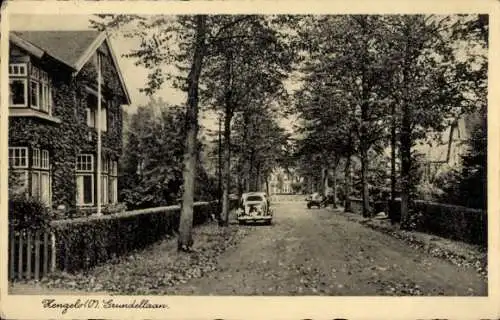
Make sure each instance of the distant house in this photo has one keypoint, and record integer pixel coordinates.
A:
(440, 151)
(53, 118)
(443, 151)
(281, 181)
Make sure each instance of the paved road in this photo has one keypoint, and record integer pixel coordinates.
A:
(321, 252)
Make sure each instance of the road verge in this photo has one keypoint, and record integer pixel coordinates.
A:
(458, 253)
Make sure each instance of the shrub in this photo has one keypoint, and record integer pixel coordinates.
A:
(28, 213)
(85, 242)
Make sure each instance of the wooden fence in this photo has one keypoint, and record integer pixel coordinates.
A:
(32, 254)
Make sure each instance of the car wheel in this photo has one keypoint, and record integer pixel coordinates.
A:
(241, 222)
(268, 222)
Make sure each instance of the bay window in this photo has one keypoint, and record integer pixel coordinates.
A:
(33, 89)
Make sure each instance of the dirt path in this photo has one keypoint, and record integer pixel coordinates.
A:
(319, 252)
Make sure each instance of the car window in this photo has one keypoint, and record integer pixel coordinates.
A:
(254, 198)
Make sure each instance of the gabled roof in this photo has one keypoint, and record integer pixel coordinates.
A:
(65, 46)
(72, 48)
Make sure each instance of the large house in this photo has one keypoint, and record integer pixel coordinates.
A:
(282, 181)
(53, 77)
(444, 151)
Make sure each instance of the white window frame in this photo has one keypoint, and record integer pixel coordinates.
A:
(35, 192)
(105, 165)
(34, 82)
(19, 76)
(113, 181)
(36, 164)
(45, 97)
(40, 81)
(78, 195)
(83, 170)
(45, 160)
(104, 119)
(87, 156)
(23, 65)
(105, 188)
(46, 190)
(11, 102)
(26, 158)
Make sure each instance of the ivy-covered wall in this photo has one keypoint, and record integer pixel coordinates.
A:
(70, 137)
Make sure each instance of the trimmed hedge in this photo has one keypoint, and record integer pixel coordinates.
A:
(85, 242)
(453, 222)
(444, 220)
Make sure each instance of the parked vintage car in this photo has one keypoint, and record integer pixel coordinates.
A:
(254, 207)
(316, 200)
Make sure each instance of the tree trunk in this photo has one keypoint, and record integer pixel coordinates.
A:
(226, 169)
(257, 178)
(251, 176)
(185, 240)
(405, 147)
(324, 178)
(228, 101)
(364, 145)
(364, 182)
(334, 185)
(347, 186)
(219, 173)
(392, 214)
(405, 167)
(267, 185)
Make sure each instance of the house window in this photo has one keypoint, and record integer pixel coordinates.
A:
(18, 69)
(18, 157)
(104, 180)
(36, 158)
(113, 182)
(37, 95)
(104, 119)
(104, 189)
(91, 113)
(34, 88)
(85, 162)
(18, 92)
(45, 159)
(85, 179)
(38, 174)
(40, 90)
(90, 117)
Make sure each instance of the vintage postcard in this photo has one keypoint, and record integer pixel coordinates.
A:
(249, 160)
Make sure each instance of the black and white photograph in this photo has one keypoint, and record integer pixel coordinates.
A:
(251, 155)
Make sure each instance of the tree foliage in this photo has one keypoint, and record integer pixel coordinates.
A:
(152, 160)
(366, 74)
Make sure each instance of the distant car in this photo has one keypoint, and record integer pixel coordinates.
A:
(254, 207)
(316, 200)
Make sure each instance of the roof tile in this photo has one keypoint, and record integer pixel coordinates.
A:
(75, 43)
